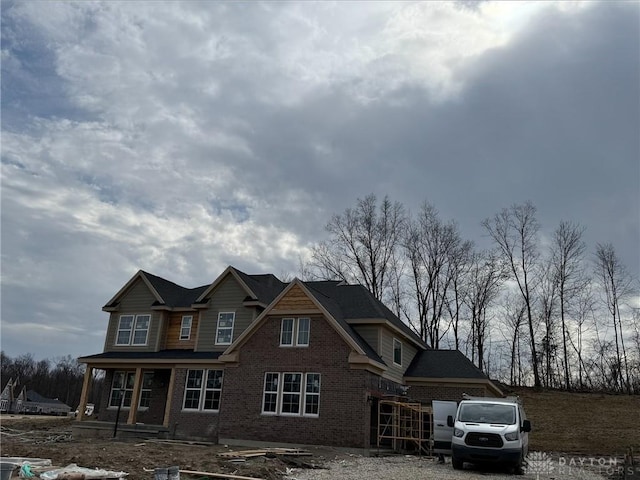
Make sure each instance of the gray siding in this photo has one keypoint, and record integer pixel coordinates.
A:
(408, 352)
(370, 334)
(135, 301)
(227, 297)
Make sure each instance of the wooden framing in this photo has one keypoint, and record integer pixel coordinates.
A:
(404, 424)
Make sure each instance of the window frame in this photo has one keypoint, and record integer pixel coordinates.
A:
(145, 330)
(120, 329)
(126, 389)
(282, 331)
(133, 330)
(182, 336)
(275, 392)
(295, 332)
(312, 394)
(203, 388)
(218, 328)
(303, 394)
(399, 344)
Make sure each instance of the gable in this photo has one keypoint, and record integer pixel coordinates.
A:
(295, 300)
(137, 298)
(133, 281)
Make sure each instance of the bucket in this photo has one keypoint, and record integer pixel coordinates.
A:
(159, 474)
(6, 469)
(173, 473)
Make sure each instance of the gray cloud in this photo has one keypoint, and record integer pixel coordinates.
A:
(185, 138)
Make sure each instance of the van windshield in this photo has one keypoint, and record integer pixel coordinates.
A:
(487, 413)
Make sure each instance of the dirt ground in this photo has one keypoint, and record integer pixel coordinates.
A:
(563, 423)
(50, 438)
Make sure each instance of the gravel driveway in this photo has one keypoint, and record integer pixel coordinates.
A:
(413, 468)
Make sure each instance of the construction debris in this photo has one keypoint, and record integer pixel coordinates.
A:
(266, 452)
(218, 475)
(35, 436)
(74, 472)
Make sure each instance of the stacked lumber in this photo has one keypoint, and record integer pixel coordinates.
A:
(294, 452)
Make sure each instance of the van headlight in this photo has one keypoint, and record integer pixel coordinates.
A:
(511, 436)
(458, 433)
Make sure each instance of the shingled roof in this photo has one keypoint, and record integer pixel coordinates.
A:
(173, 294)
(266, 287)
(443, 364)
(356, 302)
(176, 354)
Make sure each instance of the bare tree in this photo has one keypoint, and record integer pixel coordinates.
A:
(513, 315)
(548, 306)
(460, 269)
(431, 245)
(583, 312)
(616, 284)
(515, 231)
(362, 246)
(567, 256)
(485, 278)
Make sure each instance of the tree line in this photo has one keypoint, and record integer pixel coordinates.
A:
(525, 312)
(59, 378)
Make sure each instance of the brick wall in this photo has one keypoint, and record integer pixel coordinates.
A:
(427, 393)
(187, 424)
(344, 414)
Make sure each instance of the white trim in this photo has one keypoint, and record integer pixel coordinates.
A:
(295, 332)
(233, 322)
(182, 327)
(128, 342)
(399, 342)
(302, 394)
(202, 390)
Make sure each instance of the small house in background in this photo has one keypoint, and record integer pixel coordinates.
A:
(12, 397)
(36, 403)
(29, 401)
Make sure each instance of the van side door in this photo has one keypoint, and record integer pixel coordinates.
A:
(441, 432)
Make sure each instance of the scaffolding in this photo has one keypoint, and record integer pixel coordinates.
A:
(407, 426)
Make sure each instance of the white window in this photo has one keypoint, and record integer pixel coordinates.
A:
(141, 329)
(297, 394)
(125, 328)
(286, 331)
(291, 393)
(304, 325)
(224, 335)
(270, 397)
(397, 352)
(185, 327)
(202, 390)
(133, 330)
(122, 389)
(312, 394)
(295, 332)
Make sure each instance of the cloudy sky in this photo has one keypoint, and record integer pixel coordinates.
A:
(180, 138)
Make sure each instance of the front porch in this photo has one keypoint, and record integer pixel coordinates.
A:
(135, 398)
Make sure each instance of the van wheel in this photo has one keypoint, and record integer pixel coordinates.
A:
(457, 463)
(518, 469)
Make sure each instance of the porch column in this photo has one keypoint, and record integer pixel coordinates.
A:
(88, 374)
(135, 397)
(167, 407)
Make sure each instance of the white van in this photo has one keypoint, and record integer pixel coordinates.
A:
(493, 430)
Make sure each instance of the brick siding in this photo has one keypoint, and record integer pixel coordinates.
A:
(426, 393)
(192, 425)
(344, 414)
